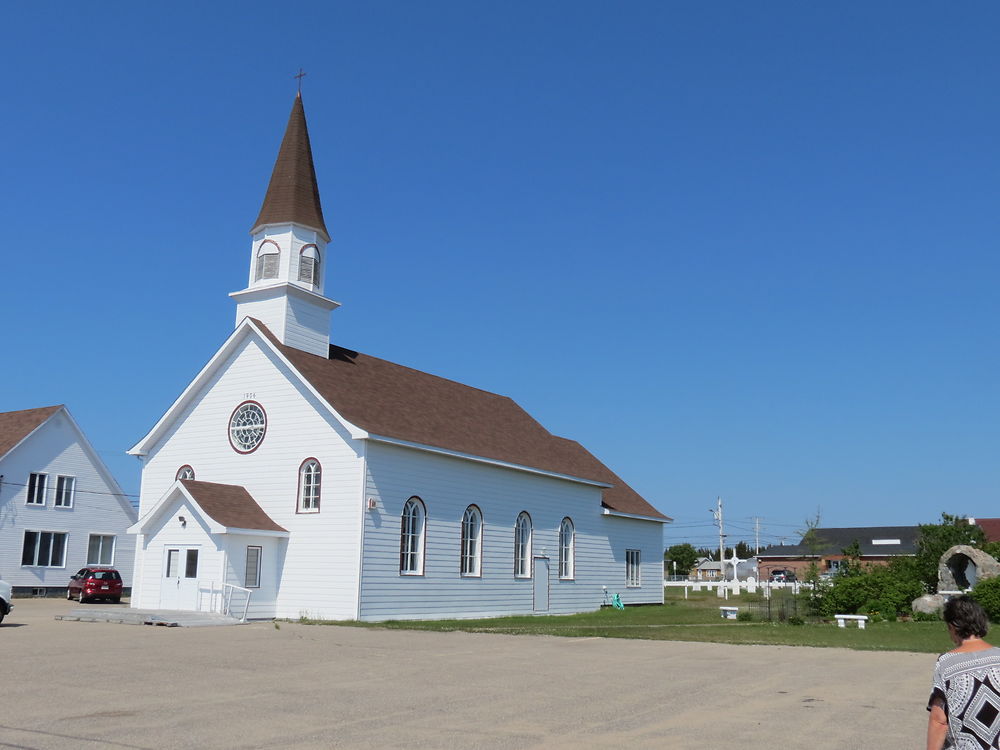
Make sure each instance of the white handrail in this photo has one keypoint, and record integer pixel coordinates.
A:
(223, 605)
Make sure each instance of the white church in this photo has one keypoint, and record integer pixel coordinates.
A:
(318, 481)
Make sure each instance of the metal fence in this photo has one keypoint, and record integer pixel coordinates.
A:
(776, 608)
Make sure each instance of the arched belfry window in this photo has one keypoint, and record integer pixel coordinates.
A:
(567, 549)
(472, 542)
(267, 260)
(411, 537)
(522, 546)
(310, 475)
(185, 472)
(309, 265)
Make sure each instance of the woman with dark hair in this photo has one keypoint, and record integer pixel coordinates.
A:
(965, 699)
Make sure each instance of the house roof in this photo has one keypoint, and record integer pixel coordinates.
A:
(393, 401)
(293, 194)
(990, 527)
(15, 426)
(230, 505)
(873, 541)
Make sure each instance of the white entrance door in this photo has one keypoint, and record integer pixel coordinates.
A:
(179, 586)
(541, 584)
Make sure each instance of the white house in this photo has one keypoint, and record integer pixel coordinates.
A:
(338, 485)
(60, 507)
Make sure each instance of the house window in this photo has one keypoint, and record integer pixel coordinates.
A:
(251, 579)
(472, 541)
(309, 265)
(522, 546)
(633, 578)
(36, 488)
(267, 261)
(185, 472)
(101, 549)
(44, 549)
(65, 487)
(310, 475)
(411, 538)
(191, 564)
(567, 549)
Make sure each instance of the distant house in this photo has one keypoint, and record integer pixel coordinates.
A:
(707, 569)
(990, 527)
(60, 507)
(878, 544)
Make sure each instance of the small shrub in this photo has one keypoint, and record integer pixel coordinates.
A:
(880, 610)
(744, 617)
(926, 616)
(987, 593)
(796, 620)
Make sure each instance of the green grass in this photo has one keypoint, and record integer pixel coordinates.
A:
(694, 619)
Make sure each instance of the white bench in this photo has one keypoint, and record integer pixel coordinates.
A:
(860, 619)
(729, 613)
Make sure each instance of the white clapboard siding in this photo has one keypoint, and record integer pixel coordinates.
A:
(55, 448)
(318, 568)
(447, 486)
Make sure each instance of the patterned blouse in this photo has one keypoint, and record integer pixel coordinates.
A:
(969, 685)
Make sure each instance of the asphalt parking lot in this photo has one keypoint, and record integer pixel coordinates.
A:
(100, 685)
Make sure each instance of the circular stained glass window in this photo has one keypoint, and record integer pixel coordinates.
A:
(247, 427)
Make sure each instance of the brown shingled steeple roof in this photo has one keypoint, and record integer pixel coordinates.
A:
(292, 195)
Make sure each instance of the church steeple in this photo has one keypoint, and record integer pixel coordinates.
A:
(293, 195)
(288, 250)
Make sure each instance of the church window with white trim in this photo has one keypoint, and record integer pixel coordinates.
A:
(310, 476)
(522, 546)
(472, 542)
(411, 538)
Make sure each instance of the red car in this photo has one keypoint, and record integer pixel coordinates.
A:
(95, 583)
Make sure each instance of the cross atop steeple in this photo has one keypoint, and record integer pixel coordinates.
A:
(300, 75)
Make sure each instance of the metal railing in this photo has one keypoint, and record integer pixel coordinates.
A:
(220, 598)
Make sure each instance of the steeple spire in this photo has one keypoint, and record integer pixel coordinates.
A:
(288, 250)
(292, 195)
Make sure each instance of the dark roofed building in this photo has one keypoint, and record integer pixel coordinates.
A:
(877, 544)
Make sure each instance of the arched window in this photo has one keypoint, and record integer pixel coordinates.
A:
(522, 546)
(267, 260)
(309, 265)
(411, 538)
(310, 474)
(472, 542)
(185, 472)
(567, 549)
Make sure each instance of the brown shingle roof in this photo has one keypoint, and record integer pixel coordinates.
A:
(230, 505)
(393, 401)
(293, 195)
(17, 425)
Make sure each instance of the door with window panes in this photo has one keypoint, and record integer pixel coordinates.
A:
(179, 588)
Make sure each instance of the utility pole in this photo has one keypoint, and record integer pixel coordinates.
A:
(756, 535)
(717, 513)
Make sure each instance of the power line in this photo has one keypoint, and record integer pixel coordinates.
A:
(75, 489)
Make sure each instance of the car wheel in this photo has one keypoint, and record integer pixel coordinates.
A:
(2, 614)
(82, 597)
(116, 600)
(69, 595)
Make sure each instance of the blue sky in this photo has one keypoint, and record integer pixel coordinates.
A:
(736, 249)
